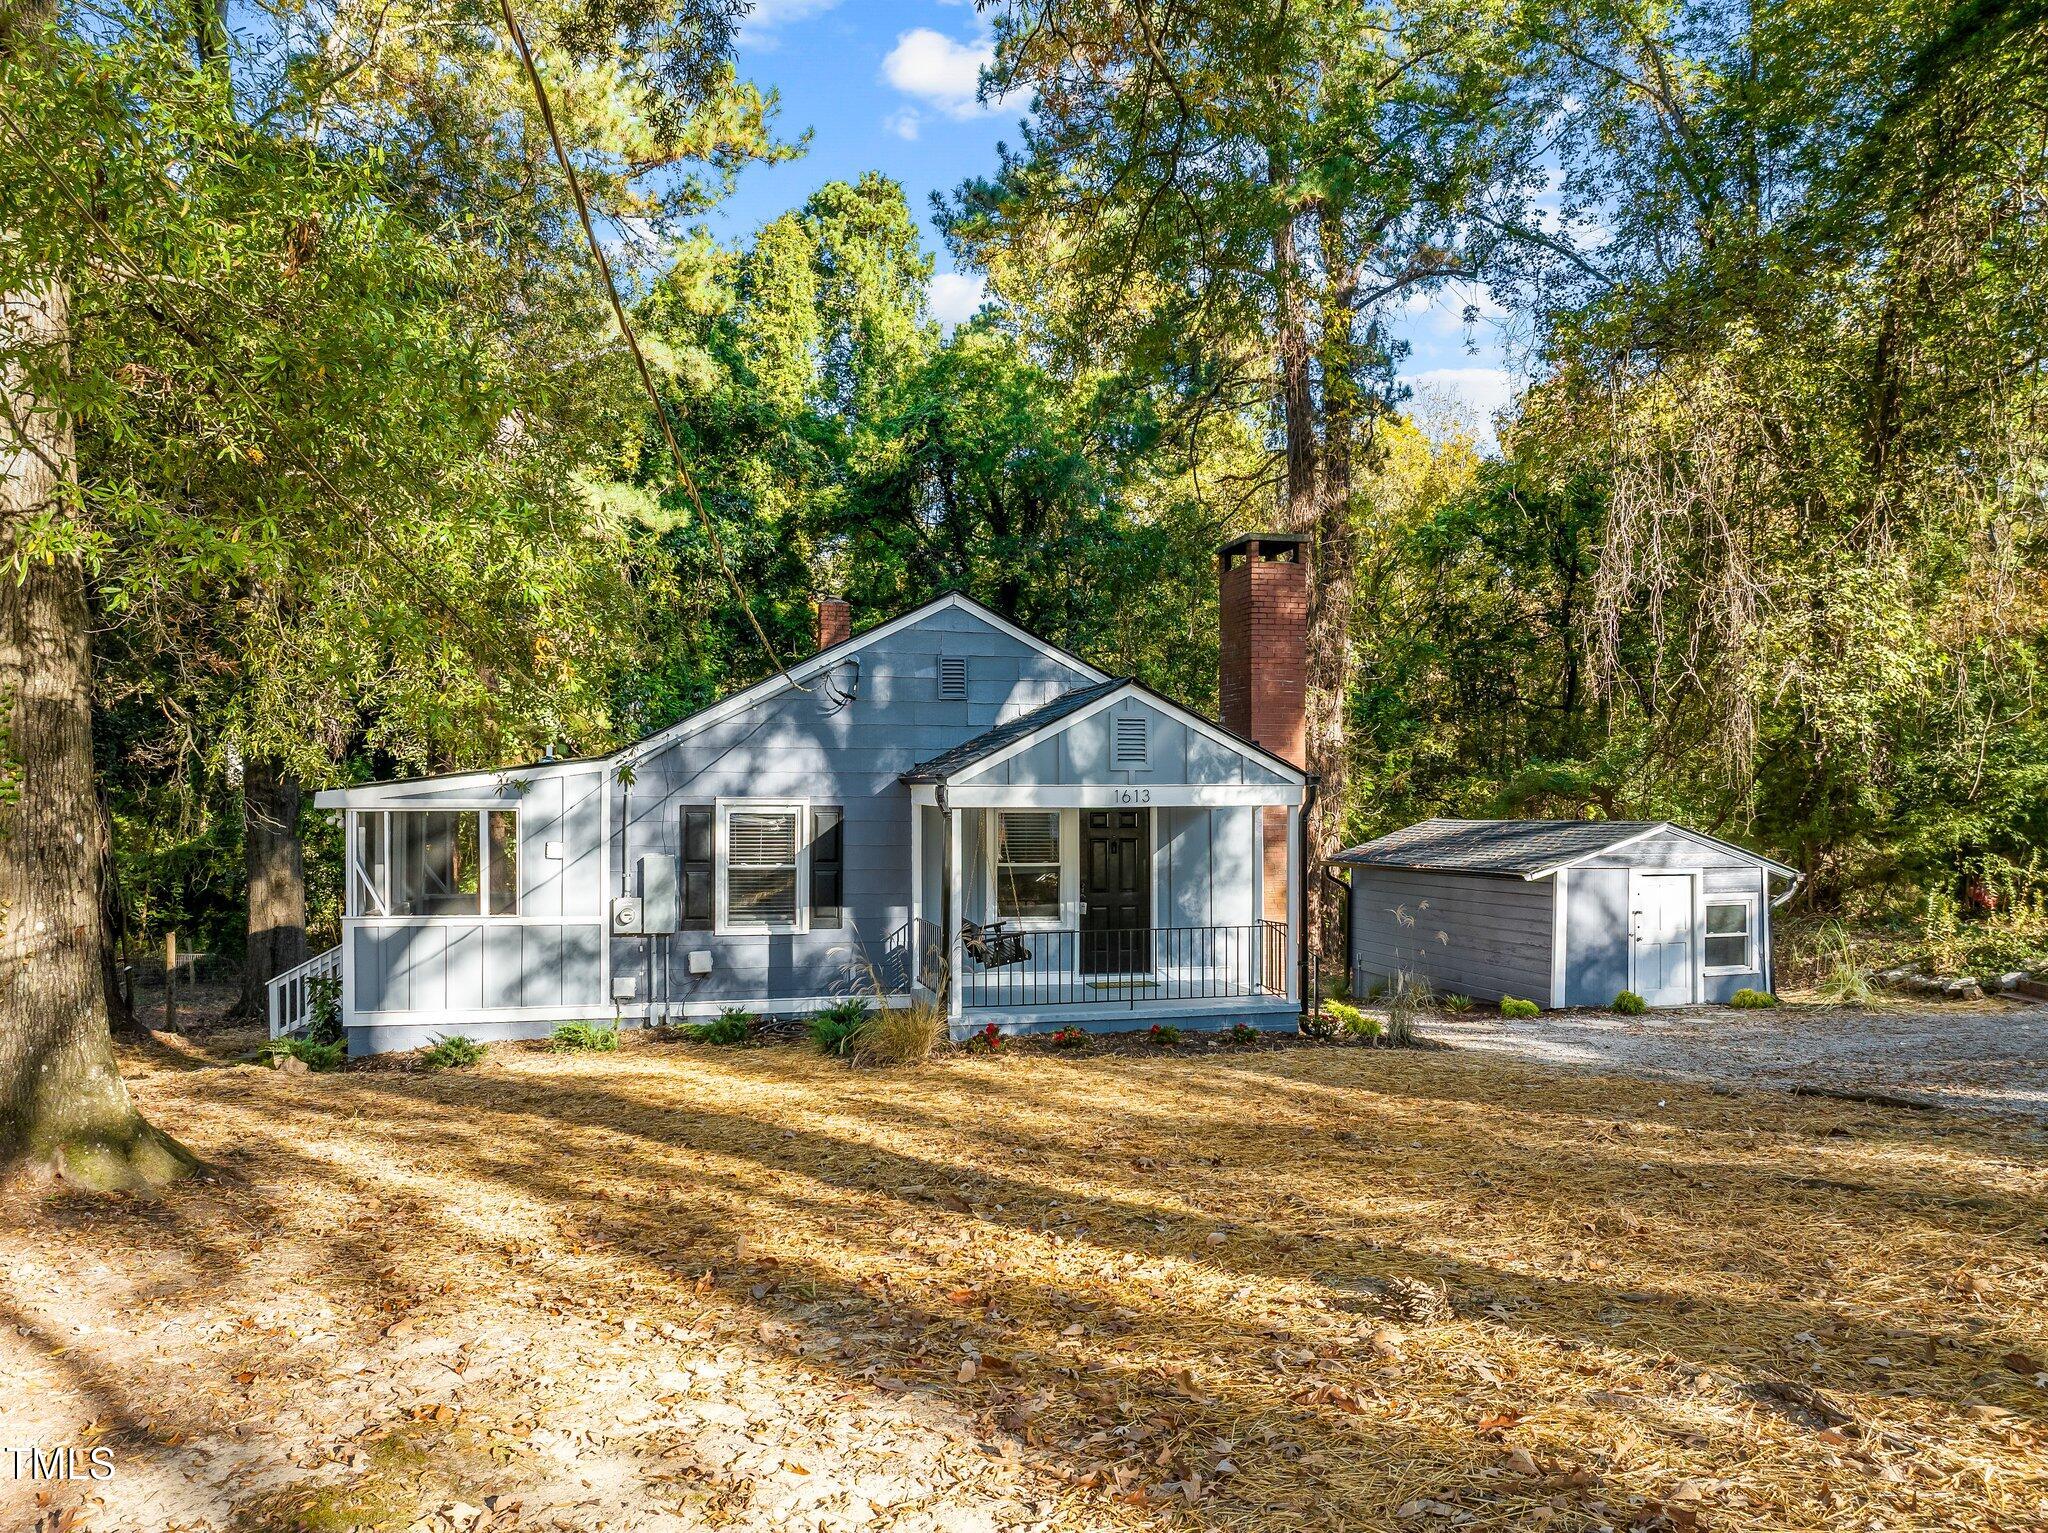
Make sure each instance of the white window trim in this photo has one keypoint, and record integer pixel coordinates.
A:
(722, 923)
(1749, 901)
(1069, 917)
(359, 883)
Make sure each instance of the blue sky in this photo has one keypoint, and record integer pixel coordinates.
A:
(891, 87)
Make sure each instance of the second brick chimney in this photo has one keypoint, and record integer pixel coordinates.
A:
(835, 621)
(1262, 681)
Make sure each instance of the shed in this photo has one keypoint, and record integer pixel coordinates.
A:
(1563, 912)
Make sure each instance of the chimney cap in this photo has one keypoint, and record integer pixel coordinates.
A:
(1267, 545)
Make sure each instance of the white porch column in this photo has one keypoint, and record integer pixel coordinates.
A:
(1294, 910)
(956, 953)
(916, 894)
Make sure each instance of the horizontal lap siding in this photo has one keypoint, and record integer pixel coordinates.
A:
(1466, 934)
(799, 745)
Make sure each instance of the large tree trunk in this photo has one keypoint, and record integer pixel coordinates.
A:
(274, 858)
(63, 1104)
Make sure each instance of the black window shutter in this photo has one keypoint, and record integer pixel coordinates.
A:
(828, 868)
(700, 844)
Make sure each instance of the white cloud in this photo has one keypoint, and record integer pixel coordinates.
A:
(940, 71)
(762, 26)
(1485, 392)
(904, 122)
(954, 297)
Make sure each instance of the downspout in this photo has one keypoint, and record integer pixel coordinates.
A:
(1310, 784)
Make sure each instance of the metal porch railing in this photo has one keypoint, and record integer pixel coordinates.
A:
(1003, 967)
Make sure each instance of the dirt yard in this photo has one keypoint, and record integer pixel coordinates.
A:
(1991, 1055)
(684, 1287)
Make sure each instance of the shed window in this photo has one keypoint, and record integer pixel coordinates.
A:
(1129, 745)
(953, 678)
(763, 866)
(1027, 865)
(436, 862)
(1731, 936)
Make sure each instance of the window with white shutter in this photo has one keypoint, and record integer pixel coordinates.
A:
(761, 866)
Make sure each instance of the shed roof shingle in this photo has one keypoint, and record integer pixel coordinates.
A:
(1494, 846)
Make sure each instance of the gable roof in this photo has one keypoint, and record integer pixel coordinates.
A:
(1069, 707)
(1520, 848)
(969, 752)
(796, 672)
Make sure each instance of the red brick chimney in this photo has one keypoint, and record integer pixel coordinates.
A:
(835, 621)
(1262, 617)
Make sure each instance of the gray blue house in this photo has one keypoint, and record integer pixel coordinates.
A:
(1563, 912)
(944, 805)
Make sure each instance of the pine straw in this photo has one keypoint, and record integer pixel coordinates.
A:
(1154, 1287)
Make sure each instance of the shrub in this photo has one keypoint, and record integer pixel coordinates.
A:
(1512, 1007)
(1241, 1035)
(1845, 982)
(1353, 1021)
(1068, 1038)
(1457, 1005)
(575, 1037)
(988, 1041)
(1319, 1025)
(323, 1002)
(898, 1035)
(454, 1052)
(1166, 1037)
(316, 1053)
(1629, 1004)
(1747, 997)
(833, 1028)
(733, 1025)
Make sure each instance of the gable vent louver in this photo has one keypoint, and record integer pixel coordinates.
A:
(953, 678)
(1128, 744)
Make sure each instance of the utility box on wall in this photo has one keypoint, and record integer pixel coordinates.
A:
(661, 910)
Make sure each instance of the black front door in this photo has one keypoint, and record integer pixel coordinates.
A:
(1116, 892)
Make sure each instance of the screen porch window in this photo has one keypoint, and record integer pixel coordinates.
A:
(1731, 935)
(435, 862)
(763, 867)
(1027, 865)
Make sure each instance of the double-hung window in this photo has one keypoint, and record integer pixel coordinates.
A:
(763, 865)
(1027, 865)
(1731, 934)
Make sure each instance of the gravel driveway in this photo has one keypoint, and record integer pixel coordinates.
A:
(1989, 1057)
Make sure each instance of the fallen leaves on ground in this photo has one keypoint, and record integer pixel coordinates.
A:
(680, 1287)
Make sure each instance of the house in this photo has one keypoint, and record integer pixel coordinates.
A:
(1562, 912)
(944, 806)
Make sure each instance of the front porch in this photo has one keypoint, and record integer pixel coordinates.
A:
(1107, 865)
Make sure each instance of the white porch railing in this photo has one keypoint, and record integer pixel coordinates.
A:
(295, 993)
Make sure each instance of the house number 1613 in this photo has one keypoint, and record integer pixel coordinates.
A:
(1134, 795)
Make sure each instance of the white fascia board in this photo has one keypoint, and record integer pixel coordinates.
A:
(1665, 827)
(379, 794)
(1110, 795)
(491, 789)
(825, 659)
(1151, 699)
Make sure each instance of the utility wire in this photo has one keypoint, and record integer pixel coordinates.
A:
(194, 337)
(611, 289)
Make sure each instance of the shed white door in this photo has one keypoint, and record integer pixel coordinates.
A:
(1663, 938)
